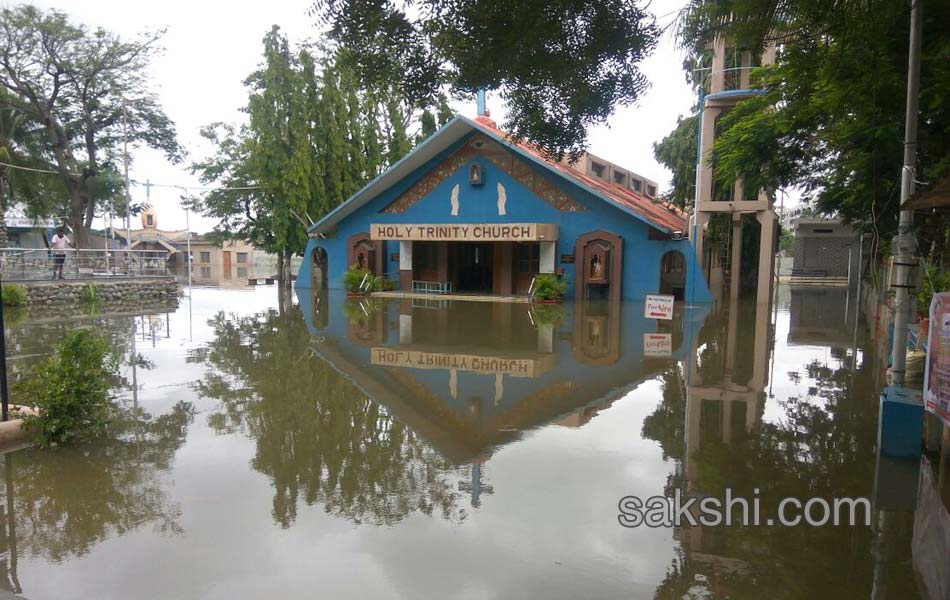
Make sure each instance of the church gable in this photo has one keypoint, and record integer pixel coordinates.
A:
(481, 147)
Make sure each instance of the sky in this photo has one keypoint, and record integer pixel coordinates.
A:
(212, 45)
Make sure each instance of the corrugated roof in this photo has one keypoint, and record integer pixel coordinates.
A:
(662, 215)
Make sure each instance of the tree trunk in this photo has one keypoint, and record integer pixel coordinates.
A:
(77, 218)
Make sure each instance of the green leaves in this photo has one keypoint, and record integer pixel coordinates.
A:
(71, 389)
(677, 152)
(83, 91)
(831, 121)
(560, 65)
(316, 134)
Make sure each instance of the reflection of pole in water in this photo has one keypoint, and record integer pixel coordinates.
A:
(475, 487)
(9, 565)
(132, 360)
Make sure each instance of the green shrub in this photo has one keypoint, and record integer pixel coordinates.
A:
(13, 294)
(353, 277)
(70, 390)
(548, 287)
(934, 281)
(89, 293)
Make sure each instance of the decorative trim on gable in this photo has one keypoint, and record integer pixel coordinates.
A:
(482, 146)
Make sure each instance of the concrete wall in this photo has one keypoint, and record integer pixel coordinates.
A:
(825, 245)
(478, 204)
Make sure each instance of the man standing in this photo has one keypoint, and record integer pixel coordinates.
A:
(59, 244)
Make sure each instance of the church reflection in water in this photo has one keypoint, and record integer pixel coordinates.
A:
(469, 377)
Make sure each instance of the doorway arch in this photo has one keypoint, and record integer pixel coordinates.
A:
(365, 253)
(673, 274)
(318, 268)
(598, 257)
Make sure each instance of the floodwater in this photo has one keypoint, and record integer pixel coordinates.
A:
(369, 449)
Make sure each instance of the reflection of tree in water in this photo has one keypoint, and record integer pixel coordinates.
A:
(29, 342)
(319, 438)
(823, 446)
(68, 499)
(666, 425)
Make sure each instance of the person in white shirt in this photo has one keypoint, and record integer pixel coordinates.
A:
(59, 244)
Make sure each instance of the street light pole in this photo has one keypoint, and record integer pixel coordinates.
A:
(188, 228)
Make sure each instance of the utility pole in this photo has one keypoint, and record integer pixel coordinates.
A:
(904, 257)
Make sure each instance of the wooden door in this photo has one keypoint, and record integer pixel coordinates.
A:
(226, 264)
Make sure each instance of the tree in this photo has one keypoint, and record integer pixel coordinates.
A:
(830, 120)
(88, 90)
(20, 176)
(677, 152)
(560, 66)
(315, 135)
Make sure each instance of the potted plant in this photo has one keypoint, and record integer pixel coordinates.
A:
(548, 288)
(358, 280)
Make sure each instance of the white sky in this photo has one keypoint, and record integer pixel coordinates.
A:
(212, 45)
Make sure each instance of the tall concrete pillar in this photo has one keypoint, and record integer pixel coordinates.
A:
(405, 265)
(766, 219)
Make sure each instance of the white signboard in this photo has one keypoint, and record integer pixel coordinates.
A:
(465, 232)
(658, 306)
(657, 344)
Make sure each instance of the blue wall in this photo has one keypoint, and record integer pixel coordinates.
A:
(478, 204)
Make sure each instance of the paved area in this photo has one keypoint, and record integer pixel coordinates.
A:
(464, 297)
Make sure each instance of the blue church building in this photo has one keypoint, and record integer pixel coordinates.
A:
(471, 211)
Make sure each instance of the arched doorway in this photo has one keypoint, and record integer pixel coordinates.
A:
(673, 274)
(365, 253)
(598, 266)
(318, 268)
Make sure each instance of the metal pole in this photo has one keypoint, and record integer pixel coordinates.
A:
(128, 196)
(4, 396)
(188, 228)
(904, 257)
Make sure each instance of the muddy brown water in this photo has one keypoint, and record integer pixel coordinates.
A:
(424, 449)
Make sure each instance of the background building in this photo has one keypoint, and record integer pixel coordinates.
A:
(231, 263)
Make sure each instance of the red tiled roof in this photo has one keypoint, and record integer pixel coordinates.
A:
(661, 214)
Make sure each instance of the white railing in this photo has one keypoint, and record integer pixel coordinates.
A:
(31, 264)
(431, 287)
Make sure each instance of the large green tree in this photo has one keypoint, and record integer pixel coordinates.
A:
(560, 65)
(88, 90)
(831, 120)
